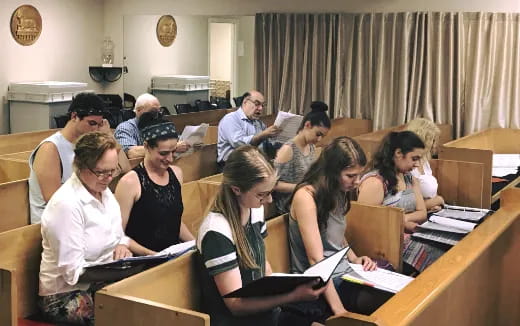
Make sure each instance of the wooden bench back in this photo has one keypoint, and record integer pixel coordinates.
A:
(376, 231)
(19, 267)
(23, 141)
(12, 170)
(14, 205)
(479, 148)
(200, 164)
(172, 290)
(346, 127)
(211, 117)
(197, 198)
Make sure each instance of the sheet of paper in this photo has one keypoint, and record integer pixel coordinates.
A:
(439, 227)
(380, 278)
(177, 248)
(441, 237)
(461, 214)
(326, 267)
(504, 164)
(194, 134)
(289, 123)
(462, 225)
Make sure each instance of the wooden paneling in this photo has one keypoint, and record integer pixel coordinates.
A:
(23, 141)
(346, 127)
(14, 205)
(12, 170)
(201, 163)
(376, 231)
(277, 244)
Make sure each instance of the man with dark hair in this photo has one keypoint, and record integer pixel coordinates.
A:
(244, 126)
(51, 161)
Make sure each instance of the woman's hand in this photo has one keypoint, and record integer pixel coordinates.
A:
(368, 264)
(122, 251)
(307, 292)
(182, 147)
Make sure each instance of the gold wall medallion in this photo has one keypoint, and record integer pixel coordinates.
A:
(166, 30)
(26, 25)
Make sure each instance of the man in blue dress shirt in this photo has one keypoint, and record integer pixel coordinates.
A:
(244, 126)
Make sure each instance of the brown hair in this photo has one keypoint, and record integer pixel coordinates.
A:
(90, 147)
(244, 168)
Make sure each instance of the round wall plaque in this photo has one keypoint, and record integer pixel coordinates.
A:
(166, 30)
(26, 25)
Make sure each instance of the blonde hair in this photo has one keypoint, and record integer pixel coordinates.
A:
(428, 131)
(90, 147)
(245, 168)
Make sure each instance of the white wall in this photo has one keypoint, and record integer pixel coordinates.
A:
(71, 40)
(246, 63)
(221, 59)
(146, 57)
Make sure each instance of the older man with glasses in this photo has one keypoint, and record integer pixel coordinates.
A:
(127, 133)
(244, 126)
(51, 161)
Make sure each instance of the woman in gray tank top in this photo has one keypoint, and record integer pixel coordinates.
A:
(296, 156)
(317, 225)
(390, 183)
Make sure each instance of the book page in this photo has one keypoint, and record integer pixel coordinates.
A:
(380, 278)
(194, 134)
(289, 123)
(463, 213)
(504, 164)
(326, 267)
(177, 248)
(461, 225)
(441, 237)
(440, 227)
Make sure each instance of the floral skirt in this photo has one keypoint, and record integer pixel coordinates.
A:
(75, 307)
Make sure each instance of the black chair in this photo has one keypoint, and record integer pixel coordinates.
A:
(183, 108)
(114, 106)
(164, 110)
(223, 103)
(238, 101)
(61, 120)
(129, 101)
(203, 105)
(127, 114)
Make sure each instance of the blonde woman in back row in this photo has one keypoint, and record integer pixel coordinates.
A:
(429, 134)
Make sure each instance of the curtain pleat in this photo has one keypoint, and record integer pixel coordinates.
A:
(457, 68)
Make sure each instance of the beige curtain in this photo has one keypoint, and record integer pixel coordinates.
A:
(389, 68)
(492, 83)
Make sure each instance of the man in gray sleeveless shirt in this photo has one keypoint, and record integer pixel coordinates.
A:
(51, 160)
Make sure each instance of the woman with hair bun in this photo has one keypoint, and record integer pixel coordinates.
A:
(296, 156)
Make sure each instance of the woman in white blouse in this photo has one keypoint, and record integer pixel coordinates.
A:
(429, 134)
(81, 226)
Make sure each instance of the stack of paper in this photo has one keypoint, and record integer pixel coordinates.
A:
(289, 123)
(504, 164)
(194, 136)
(380, 278)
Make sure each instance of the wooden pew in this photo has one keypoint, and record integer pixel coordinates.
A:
(14, 205)
(200, 164)
(346, 127)
(197, 198)
(474, 283)
(169, 294)
(370, 142)
(23, 141)
(19, 267)
(212, 117)
(13, 169)
(480, 147)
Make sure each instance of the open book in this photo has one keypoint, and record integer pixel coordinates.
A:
(165, 255)
(463, 213)
(380, 278)
(289, 123)
(278, 283)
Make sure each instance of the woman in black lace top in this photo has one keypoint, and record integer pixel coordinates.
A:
(150, 195)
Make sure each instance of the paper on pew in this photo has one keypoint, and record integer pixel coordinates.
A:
(380, 278)
(194, 134)
(504, 164)
(461, 225)
(440, 227)
(289, 123)
(176, 249)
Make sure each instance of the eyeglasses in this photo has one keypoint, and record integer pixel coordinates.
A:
(263, 195)
(105, 174)
(257, 103)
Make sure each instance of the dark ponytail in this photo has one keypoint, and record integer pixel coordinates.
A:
(317, 116)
